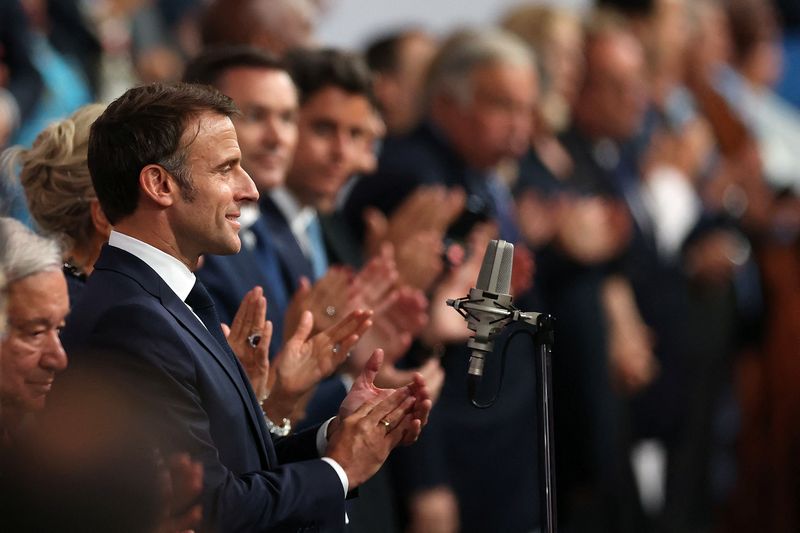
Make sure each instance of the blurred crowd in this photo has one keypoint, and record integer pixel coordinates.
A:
(642, 155)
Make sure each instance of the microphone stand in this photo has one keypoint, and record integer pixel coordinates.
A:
(547, 474)
(503, 313)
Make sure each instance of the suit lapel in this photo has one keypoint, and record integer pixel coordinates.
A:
(225, 359)
(293, 262)
(125, 263)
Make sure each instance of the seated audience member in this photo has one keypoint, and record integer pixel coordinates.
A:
(60, 195)
(32, 354)
(166, 168)
(398, 62)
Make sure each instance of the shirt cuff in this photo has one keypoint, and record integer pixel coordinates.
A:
(340, 472)
(322, 445)
(322, 437)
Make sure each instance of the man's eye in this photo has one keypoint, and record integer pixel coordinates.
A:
(254, 116)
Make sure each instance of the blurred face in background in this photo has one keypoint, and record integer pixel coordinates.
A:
(614, 96)
(495, 122)
(400, 91)
(267, 127)
(334, 129)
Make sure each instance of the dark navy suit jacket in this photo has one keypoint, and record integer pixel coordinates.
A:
(202, 403)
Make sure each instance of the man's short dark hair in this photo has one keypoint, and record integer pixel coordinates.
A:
(314, 70)
(381, 54)
(211, 65)
(144, 126)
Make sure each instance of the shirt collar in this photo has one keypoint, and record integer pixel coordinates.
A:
(175, 274)
(291, 208)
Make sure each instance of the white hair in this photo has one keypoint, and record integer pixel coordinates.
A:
(467, 50)
(25, 253)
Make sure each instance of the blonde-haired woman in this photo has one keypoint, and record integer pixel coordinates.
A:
(59, 191)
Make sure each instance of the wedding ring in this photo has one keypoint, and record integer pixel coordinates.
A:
(254, 339)
(330, 311)
(386, 424)
(336, 347)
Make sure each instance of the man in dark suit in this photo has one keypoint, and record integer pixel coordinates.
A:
(165, 164)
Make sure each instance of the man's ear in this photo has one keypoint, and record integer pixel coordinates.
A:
(99, 220)
(157, 185)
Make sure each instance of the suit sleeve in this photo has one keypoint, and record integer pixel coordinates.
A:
(164, 375)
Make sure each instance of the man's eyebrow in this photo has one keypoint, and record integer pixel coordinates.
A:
(23, 323)
(232, 160)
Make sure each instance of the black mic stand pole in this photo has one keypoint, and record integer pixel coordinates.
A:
(547, 472)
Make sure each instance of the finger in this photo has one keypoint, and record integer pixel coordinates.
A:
(260, 309)
(262, 348)
(348, 342)
(375, 223)
(385, 304)
(236, 323)
(397, 417)
(353, 323)
(251, 315)
(412, 431)
(304, 327)
(422, 410)
(225, 330)
(391, 408)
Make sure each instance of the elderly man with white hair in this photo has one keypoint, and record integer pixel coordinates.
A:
(36, 302)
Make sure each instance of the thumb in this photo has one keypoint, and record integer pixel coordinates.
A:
(372, 367)
(304, 284)
(375, 222)
(225, 330)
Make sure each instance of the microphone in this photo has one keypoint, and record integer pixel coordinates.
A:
(489, 307)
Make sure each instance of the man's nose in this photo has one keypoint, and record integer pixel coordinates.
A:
(54, 358)
(246, 188)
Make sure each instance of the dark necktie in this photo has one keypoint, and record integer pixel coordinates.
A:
(203, 306)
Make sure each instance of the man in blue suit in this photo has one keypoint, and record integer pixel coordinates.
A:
(165, 164)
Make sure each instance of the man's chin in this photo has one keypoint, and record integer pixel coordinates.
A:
(230, 247)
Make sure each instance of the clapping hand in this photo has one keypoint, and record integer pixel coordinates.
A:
(249, 336)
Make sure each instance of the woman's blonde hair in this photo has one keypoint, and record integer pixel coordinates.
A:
(55, 177)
